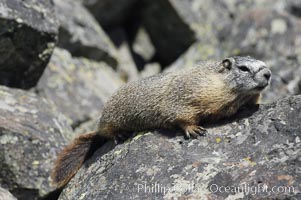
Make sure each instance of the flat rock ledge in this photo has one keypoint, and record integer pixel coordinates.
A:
(255, 155)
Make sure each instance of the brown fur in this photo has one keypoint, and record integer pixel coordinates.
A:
(177, 99)
(74, 155)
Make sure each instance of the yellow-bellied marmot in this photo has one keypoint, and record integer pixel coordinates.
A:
(176, 99)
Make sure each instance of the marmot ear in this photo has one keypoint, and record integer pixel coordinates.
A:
(227, 63)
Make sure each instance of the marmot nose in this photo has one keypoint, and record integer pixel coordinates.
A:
(267, 75)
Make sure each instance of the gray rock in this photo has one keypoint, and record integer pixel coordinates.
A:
(77, 86)
(27, 37)
(217, 38)
(32, 131)
(86, 127)
(150, 69)
(81, 34)
(6, 195)
(266, 33)
(203, 18)
(110, 13)
(259, 147)
(196, 53)
(142, 45)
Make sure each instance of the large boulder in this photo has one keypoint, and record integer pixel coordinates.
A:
(78, 86)
(258, 149)
(32, 132)
(80, 33)
(28, 31)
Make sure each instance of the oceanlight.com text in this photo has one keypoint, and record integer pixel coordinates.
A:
(215, 188)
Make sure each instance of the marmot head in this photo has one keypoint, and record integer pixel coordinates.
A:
(246, 74)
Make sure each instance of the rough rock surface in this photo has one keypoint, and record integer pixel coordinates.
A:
(86, 127)
(28, 31)
(142, 45)
(150, 69)
(260, 147)
(266, 33)
(78, 87)
(215, 38)
(32, 131)
(80, 33)
(6, 195)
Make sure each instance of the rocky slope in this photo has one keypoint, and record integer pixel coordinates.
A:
(61, 60)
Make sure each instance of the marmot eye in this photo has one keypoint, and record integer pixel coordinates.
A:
(244, 68)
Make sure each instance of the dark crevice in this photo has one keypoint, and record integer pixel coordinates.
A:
(54, 195)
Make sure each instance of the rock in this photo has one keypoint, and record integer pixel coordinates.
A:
(259, 147)
(142, 45)
(78, 87)
(110, 13)
(86, 127)
(32, 131)
(265, 33)
(27, 37)
(6, 195)
(168, 25)
(217, 38)
(150, 69)
(203, 20)
(80, 33)
(196, 53)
